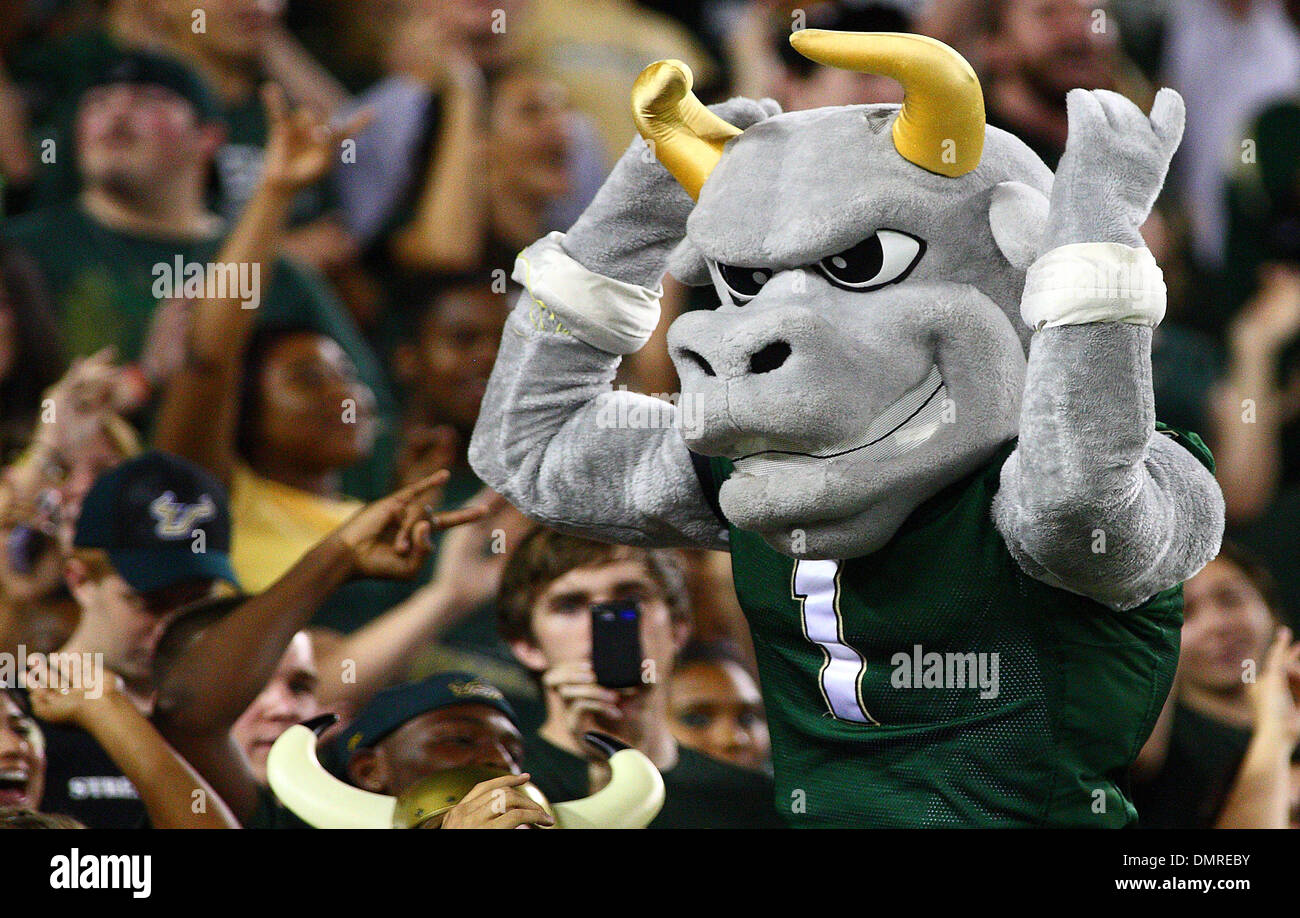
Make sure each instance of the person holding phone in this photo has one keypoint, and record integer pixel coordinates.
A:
(600, 627)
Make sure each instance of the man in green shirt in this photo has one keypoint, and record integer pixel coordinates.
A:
(146, 136)
(233, 48)
(548, 589)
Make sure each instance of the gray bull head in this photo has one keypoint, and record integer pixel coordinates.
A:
(869, 260)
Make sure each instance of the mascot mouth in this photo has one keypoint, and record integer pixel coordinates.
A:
(912, 419)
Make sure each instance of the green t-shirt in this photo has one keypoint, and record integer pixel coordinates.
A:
(878, 677)
(699, 792)
(103, 283)
(53, 76)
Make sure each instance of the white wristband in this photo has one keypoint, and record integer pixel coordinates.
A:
(608, 314)
(1093, 282)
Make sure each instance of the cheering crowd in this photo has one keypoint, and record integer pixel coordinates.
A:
(255, 263)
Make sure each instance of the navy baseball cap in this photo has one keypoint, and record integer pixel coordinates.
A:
(394, 706)
(162, 520)
(148, 69)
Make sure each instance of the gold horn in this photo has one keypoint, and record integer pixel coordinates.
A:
(631, 799)
(316, 796)
(941, 124)
(684, 135)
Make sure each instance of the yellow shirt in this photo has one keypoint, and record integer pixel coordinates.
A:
(273, 525)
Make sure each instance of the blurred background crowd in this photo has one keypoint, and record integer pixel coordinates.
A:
(381, 162)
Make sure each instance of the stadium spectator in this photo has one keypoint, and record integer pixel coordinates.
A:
(469, 152)
(442, 359)
(716, 708)
(219, 659)
(446, 721)
(174, 796)
(1034, 52)
(1257, 406)
(289, 698)
(471, 218)
(240, 44)
(444, 350)
(275, 413)
(1219, 754)
(152, 535)
(22, 755)
(233, 44)
(549, 586)
(146, 137)
(80, 434)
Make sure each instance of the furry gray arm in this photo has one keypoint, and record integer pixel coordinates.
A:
(552, 434)
(1093, 499)
(553, 438)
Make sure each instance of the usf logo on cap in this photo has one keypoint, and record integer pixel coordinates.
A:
(177, 520)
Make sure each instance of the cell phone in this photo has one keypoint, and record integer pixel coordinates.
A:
(616, 643)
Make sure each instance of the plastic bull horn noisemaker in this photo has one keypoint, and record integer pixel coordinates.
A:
(632, 798)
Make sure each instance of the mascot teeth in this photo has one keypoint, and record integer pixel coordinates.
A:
(907, 423)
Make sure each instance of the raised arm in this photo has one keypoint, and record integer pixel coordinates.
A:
(1249, 454)
(448, 230)
(466, 576)
(553, 436)
(218, 675)
(174, 795)
(1260, 796)
(1094, 499)
(199, 408)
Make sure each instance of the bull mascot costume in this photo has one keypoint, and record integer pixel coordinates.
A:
(925, 427)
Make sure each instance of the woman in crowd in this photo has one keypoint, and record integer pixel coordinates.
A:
(716, 708)
(1219, 755)
(501, 168)
(276, 414)
(174, 795)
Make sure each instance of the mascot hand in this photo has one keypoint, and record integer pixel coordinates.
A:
(639, 215)
(1114, 166)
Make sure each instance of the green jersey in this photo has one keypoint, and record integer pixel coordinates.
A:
(933, 683)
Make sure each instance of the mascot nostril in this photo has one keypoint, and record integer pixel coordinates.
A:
(699, 361)
(772, 357)
(958, 533)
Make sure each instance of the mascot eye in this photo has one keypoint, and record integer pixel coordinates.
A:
(884, 257)
(744, 283)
